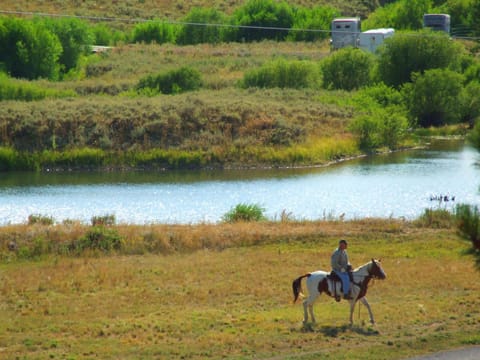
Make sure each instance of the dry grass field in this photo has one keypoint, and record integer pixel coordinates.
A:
(235, 300)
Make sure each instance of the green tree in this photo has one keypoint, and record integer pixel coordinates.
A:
(28, 49)
(107, 36)
(256, 15)
(347, 69)
(383, 117)
(434, 97)
(400, 15)
(474, 135)
(200, 26)
(75, 38)
(406, 53)
(470, 103)
(393, 128)
(474, 16)
(366, 129)
(410, 14)
(317, 18)
(153, 32)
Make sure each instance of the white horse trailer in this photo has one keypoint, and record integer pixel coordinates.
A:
(437, 22)
(345, 32)
(370, 40)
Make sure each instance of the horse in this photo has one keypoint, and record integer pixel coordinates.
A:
(322, 282)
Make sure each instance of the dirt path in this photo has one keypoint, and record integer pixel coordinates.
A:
(467, 353)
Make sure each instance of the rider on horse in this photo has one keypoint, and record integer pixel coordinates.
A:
(341, 266)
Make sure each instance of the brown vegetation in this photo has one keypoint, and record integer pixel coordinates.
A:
(225, 291)
(161, 9)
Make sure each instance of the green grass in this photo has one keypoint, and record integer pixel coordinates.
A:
(232, 297)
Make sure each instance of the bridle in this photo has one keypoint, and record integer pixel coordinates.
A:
(374, 274)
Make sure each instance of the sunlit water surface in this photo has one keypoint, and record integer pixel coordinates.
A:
(400, 185)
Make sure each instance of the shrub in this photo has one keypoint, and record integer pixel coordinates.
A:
(347, 69)
(20, 90)
(383, 127)
(470, 103)
(254, 16)
(106, 36)
(468, 224)
(172, 82)
(473, 136)
(245, 212)
(366, 128)
(10, 159)
(197, 28)
(154, 32)
(75, 38)
(408, 53)
(98, 238)
(434, 97)
(28, 49)
(282, 74)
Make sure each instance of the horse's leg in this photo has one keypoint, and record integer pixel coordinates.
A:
(354, 292)
(308, 308)
(352, 308)
(305, 313)
(367, 305)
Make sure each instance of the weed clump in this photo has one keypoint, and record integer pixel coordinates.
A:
(98, 238)
(172, 82)
(436, 218)
(245, 212)
(40, 219)
(103, 220)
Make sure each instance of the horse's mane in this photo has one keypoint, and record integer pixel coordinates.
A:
(365, 265)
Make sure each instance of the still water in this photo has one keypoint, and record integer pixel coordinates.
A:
(399, 185)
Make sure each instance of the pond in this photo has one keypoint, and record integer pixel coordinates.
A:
(398, 185)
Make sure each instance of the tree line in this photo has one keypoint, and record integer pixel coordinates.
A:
(50, 48)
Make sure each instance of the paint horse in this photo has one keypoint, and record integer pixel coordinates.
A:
(322, 282)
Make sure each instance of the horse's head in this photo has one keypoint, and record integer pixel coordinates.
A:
(376, 270)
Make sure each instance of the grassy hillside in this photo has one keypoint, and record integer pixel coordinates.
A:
(161, 9)
(220, 124)
(236, 302)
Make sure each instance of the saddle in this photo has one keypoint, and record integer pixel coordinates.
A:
(335, 280)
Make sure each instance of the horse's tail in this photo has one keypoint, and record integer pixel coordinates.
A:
(297, 287)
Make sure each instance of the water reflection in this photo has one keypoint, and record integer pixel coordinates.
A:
(399, 185)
